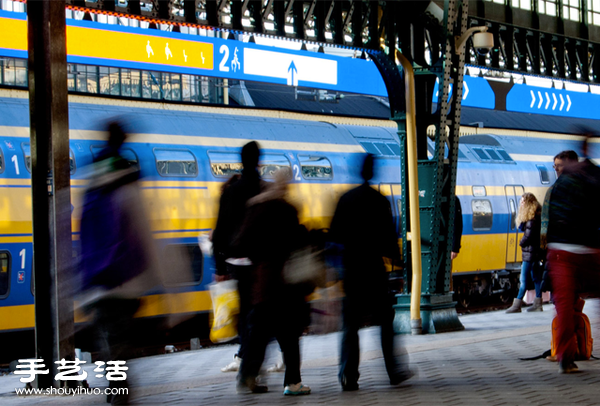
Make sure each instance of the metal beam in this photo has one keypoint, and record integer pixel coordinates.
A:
(50, 185)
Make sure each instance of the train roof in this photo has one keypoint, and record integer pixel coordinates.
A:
(283, 98)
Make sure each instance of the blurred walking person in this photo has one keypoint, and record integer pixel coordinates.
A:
(364, 226)
(271, 232)
(117, 262)
(573, 249)
(529, 221)
(229, 264)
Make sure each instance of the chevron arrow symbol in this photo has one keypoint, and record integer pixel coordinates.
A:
(532, 99)
(555, 101)
(547, 101)
(569, 106)
(562, 102)
(466, 92)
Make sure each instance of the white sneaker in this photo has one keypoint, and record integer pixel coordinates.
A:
(234, 366)
(296, 389)
(279, 367)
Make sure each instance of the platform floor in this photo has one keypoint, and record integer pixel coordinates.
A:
(477, 366)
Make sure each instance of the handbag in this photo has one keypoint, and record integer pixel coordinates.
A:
(305, 266)
(226, 307)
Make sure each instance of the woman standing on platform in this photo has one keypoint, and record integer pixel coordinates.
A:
(529, 220)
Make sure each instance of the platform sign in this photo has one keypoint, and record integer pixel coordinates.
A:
(477, 92)
(525, 98)
(94, 43)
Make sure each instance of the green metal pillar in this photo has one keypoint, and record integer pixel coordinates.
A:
(437, 181)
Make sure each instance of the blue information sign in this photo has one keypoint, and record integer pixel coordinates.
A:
(550, 101)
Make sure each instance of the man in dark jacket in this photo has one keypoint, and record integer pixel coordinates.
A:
(364, 226)
(232, 211)
(573, 249)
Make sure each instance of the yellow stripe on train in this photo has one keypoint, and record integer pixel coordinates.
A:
(23, 316)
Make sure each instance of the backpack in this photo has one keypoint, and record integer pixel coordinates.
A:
(583, 334)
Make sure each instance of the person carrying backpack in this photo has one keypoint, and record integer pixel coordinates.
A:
(573, 250)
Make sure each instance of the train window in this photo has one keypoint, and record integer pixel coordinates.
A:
(395, 148)
(315, 167)
(479, 191)
(4, 274)
(482, 214)
(544, 177)
(462, 156)
(271, 163)
(225, 164)
(493, 154)
(1, 161)
(27, 155)
(184, 263)
(175, 162)
(481, 154)
(513, 214)
(385, 150)
(126, 153)
(370, 148)
(505, 155)
(72, 166)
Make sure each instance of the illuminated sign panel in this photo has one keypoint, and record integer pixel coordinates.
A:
(104, 44)
(94, 43)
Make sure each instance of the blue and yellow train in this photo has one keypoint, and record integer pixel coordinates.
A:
(185, 153)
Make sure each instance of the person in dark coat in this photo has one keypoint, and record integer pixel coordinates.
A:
(529, 221)
(573, 250)
(118, 263)
(363, 224)
(271, 232)
(229, 264)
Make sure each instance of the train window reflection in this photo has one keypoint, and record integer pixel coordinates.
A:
(370, 148)
(479, 191)
(175, 162)
(493, 154)
(315, 167)
(544, 177)
(4, 274)
(385, 150)
(505, 155)
(513, 214)
(271, 163)
(27, 155)
(184, 263)
(72, 166)
(225, 164)
(482, 214)
(481, 154)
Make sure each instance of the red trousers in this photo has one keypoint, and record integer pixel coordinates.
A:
(571, 275)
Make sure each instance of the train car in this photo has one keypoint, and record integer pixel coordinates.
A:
(186, 152)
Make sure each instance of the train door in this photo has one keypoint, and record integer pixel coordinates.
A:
(513, 196)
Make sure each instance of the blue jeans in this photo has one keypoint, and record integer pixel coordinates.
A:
(527, 275)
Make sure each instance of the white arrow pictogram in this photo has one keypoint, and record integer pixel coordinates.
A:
(547, 101)
(555, 101)
(569, 99)
(541, 99)
(532, 99)
(562, 102)
(466, 92)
